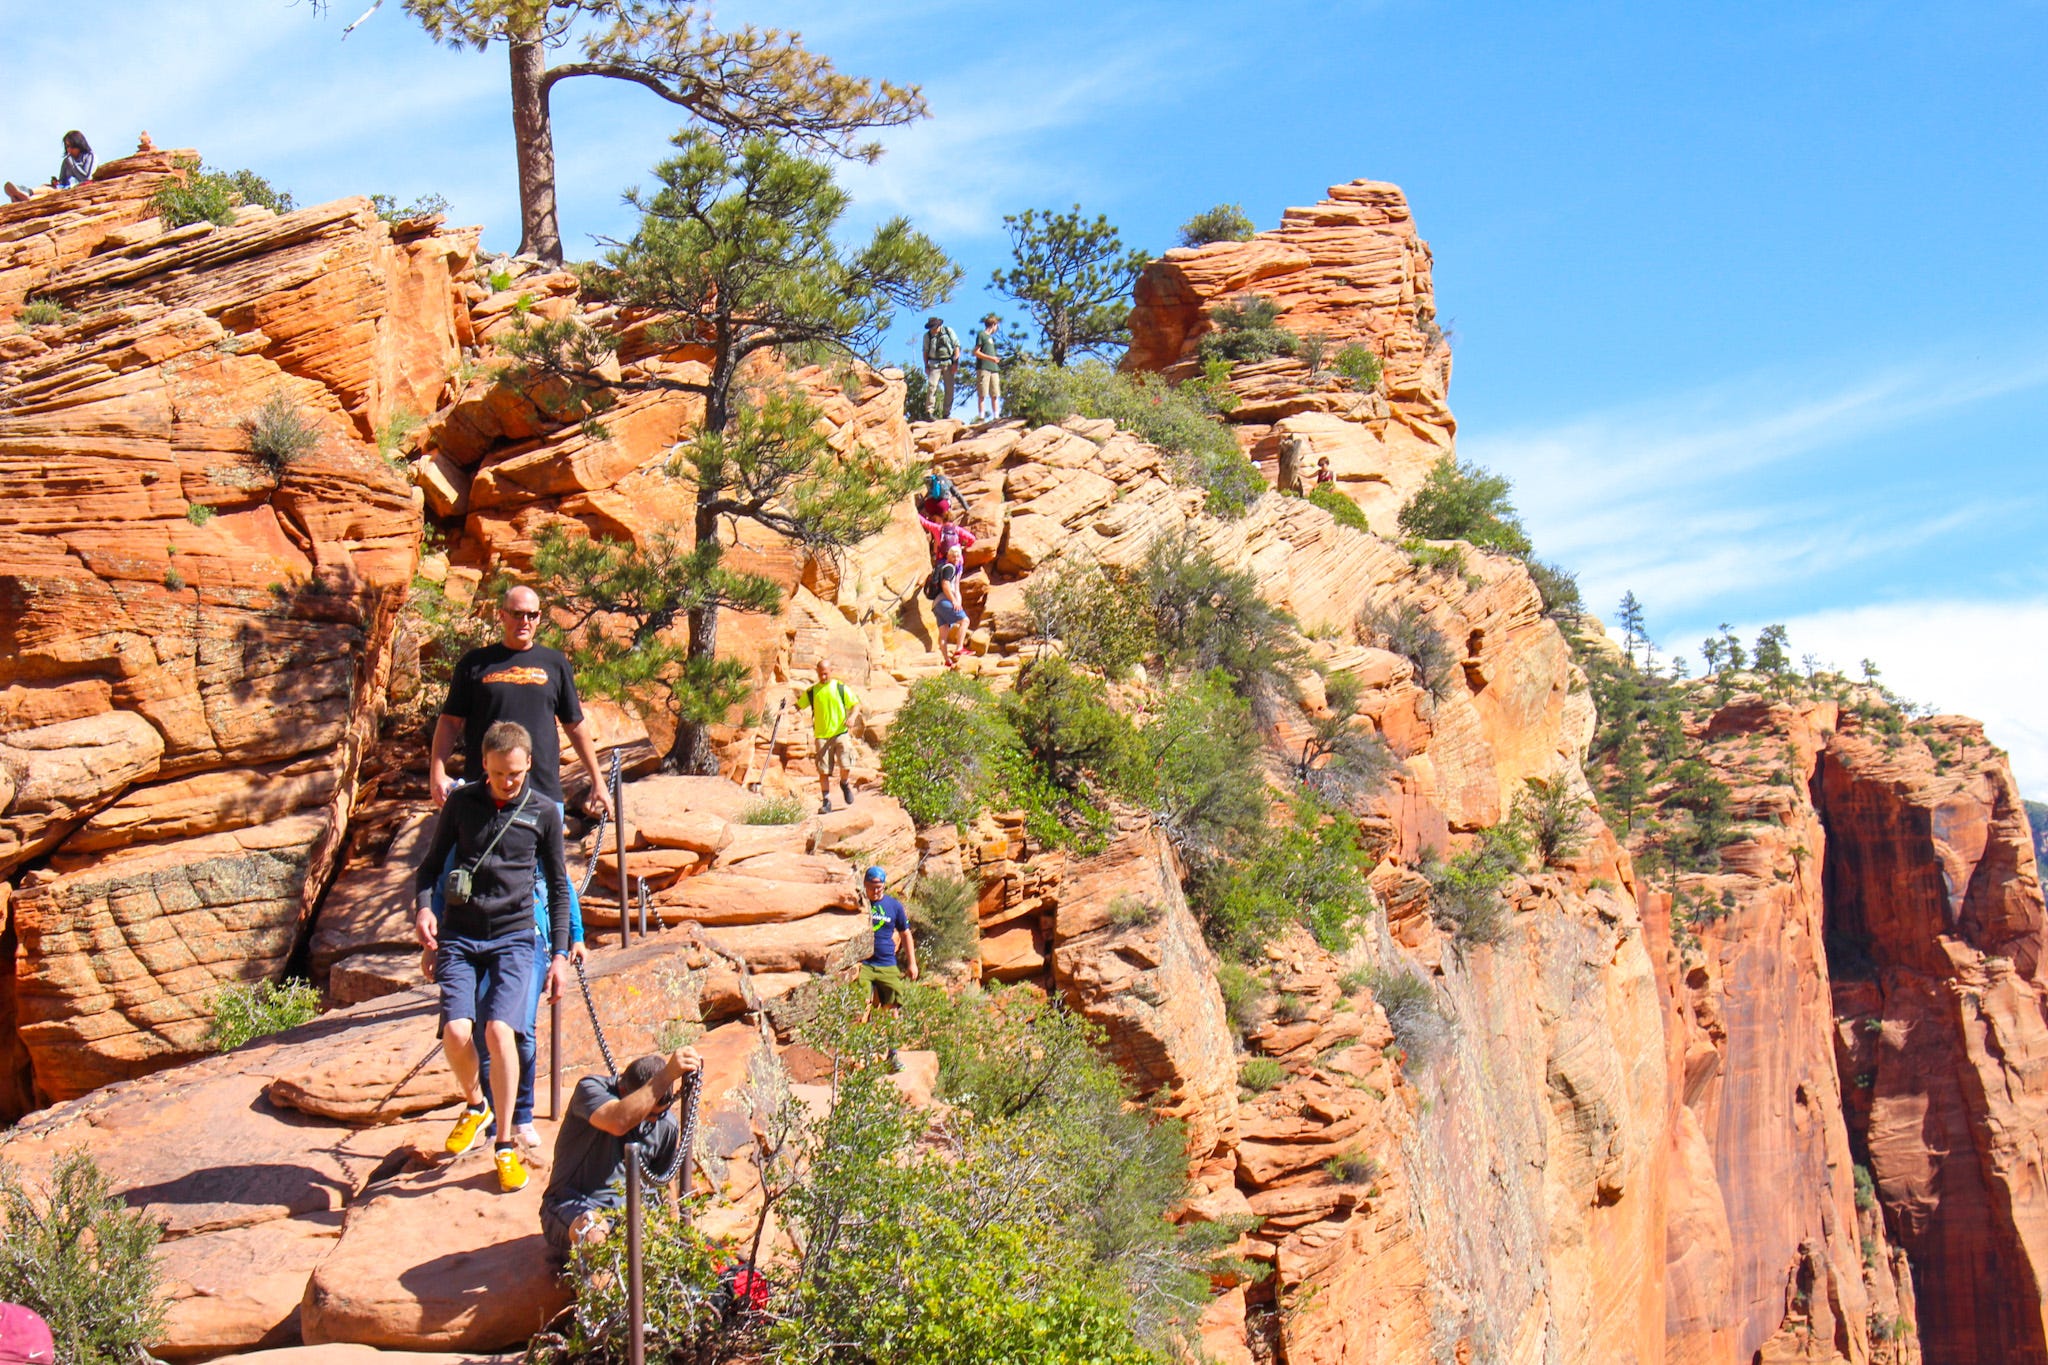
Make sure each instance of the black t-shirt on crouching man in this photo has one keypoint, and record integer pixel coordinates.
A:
(533, 687)
(587, 1158)
(501, 882)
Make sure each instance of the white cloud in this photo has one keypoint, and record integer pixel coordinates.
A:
(1688, 499)
(1981, 659)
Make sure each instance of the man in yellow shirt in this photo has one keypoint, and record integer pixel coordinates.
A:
(832, 705)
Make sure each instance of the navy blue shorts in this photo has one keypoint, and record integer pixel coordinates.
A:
(486, 980)
(947, 614)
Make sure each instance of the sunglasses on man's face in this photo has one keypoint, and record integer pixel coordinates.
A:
(518, 615)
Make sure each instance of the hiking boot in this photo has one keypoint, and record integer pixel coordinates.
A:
(468, 1129)
(846, 790)
(511, 1170)
(825, 806)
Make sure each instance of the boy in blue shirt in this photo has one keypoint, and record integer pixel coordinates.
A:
(886, 916)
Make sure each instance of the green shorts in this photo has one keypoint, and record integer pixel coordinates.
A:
(886, 983)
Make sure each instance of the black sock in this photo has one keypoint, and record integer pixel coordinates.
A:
(502, 1146)
(483, 1108)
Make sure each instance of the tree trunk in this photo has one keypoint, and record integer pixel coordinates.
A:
(533, 139)
(691, 751)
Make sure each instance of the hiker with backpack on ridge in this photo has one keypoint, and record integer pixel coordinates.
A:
(941, 364)
(832, 705)
(940, 494)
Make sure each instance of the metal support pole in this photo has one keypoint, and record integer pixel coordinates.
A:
(625, 882)
(643, 907)
(555, 1060)
(636, 1343)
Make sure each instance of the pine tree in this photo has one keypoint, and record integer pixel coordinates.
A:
(735, 255)
(1632, 630)
(746, 81)
(1073, 277)
(1772, 655)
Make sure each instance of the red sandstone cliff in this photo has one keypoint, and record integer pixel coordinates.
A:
(1634, 1140)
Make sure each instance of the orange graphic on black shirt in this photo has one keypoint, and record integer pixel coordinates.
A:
(523, 676)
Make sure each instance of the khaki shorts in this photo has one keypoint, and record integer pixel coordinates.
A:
(834, 755)
(989, 385)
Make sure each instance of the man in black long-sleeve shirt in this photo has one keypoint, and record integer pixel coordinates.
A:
(499, 829)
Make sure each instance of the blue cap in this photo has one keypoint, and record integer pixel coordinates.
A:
(875, 874)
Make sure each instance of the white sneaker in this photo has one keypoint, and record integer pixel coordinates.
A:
(528, 1137)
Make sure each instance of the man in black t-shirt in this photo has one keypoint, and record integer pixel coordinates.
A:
(521, 680)
(586, 1184)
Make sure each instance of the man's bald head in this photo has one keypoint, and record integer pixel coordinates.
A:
(519, 616)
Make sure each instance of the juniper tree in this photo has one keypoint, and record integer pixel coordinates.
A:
(735, 256)
(1632, 631)
(743, 81)
(1073, 278)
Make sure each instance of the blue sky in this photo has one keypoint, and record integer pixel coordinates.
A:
(1747, 298)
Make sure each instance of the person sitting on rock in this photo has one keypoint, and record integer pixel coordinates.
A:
(946, 533)
(74, 169)
(586, 1185)
(891, 925)
(832, 705)
(482, 952)
(1324, 478)
(950, 611)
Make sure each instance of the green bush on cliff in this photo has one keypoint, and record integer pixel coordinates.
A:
(1247, 329)
(1305, 868)
(1465, 502)
(944, 910)
(1405, 629)
(1360, 364)
(75, 1254)
(212, 196)
(280, 433)
(1202, 450)
(1409, 1002)
(245, 1012)
(1223, 223)
(1347, 512)
(1465, 889)
(952, 754)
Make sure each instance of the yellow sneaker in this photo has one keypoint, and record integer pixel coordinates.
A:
(466, 1131)
(511, 1170)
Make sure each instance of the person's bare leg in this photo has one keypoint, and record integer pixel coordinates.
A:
(504, 1046)
(16, 193)
(459, 1043)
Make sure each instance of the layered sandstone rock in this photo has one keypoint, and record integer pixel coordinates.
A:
(1350, 271)
(195, 635)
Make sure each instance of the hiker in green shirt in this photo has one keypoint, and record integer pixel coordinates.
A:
(988, 372)
(941, 364)
(832, 705)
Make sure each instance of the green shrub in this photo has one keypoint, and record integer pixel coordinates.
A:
(396, 428)
(1465, 890)
(81, 1260)
(1206, 616)
(945, 914)
(1260, 1074)
(1354, 981)
(1342, 508)
(1244, 996)
(1290, 1008)
(1692, 786)
(1247, 329)
(40, 313)
(1134, 912)
(1405, 629)
(1199, 770)
(244, 1012)
(774, 810)
(680, 1309)
(173, 580)
(1306, 869)
(1558, 589)
(953, 753)
(199, 514)
(1435, 558)
(212, 196)
(1457, 502)
(1035, 1231)
(279, 432)
(1556, 820)
(1313, 350)
(1358, 364)
(390, 210)
(1352, 1167)
(1409, 1002)
(1065, 721)
(1223, 223)
(1089, 608)
(1341, 759)
(1866, 1188)
(1202, 451)
(498, 281)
